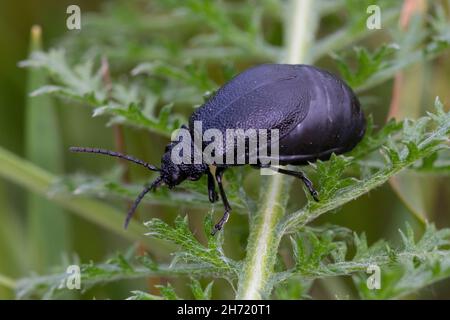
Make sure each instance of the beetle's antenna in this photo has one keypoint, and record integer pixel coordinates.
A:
(115, 154)
(147, 189)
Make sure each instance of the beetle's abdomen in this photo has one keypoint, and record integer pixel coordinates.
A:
(334, 123)
(315, 112)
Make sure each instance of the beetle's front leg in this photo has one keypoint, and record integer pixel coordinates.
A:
(226, 215)
(212, 194)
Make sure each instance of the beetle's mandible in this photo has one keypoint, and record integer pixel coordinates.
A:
(316, 113)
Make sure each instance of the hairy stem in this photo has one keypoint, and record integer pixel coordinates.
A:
(264, 236)
(300, 30)
(263, 241)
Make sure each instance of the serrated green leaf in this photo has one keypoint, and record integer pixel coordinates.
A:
(140, 295)
(168, 292)
(200, 293)
(192, 251)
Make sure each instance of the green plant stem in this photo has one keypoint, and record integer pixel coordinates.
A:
(7, 282)
(43, 147)
(37, 180)
(328, 7)
(264, 239)
(300, 29)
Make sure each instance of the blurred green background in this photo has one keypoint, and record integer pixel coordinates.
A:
(18, 254)
(380, 213)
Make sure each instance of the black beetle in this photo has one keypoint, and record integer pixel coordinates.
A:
(316, 113)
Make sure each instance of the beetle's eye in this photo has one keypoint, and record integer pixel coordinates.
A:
(175, 174)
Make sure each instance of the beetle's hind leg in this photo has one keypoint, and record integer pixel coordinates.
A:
(300, 175)
(226, 215)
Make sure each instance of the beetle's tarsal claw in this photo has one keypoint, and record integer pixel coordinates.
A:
(309, 185)
(315, 195)
(313, 192)
(214, 231)
(221, 222)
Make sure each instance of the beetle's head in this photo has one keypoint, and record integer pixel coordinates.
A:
(173, 174)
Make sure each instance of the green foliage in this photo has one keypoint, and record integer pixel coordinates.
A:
(168, 292)
(140, 295)
(364, 68)
(110, 187)
(413, 266)
(368, 64)
(404, 270)
(119, 268)
(313, 250)
(191, 251)
(200, 293)
(84, 85)
(400, 151)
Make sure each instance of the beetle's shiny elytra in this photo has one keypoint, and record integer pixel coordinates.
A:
(316, 113)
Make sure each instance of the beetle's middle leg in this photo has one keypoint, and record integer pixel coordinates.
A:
(212, 194)
(300, 175)
(226, 215)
